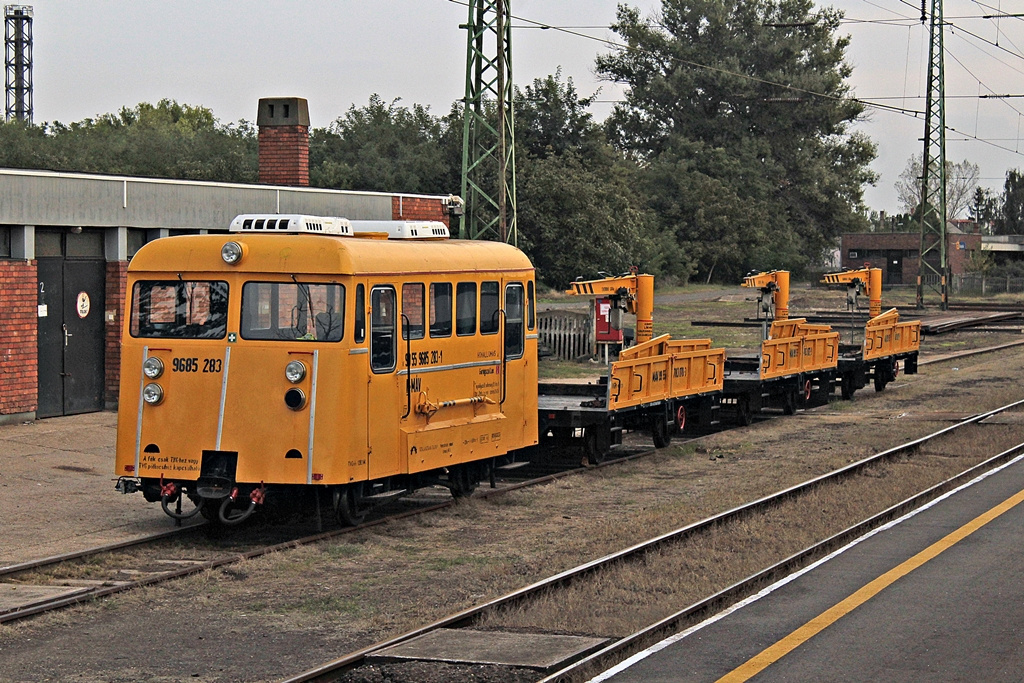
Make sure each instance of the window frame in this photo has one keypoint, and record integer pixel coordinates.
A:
(431, 324)
(381, 369)
(521, 321)
(467, 285)
(409, 334)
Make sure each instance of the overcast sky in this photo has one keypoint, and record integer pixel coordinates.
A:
(95, 56)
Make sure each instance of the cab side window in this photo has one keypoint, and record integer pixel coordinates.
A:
(514, 332)
(489, 315)
(440, 309)
(412, 310)
(531, 306)
(360, 316)
(465, 308)
(383, 316)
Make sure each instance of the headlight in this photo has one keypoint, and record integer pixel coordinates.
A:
(153, 367)
(231, 253)
(295, 371)
(152, 393)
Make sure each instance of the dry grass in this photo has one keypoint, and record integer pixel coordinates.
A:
(332, 598)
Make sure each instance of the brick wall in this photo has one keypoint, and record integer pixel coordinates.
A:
(418, 209)
(117, 276)
(19, 379)
(284, 155)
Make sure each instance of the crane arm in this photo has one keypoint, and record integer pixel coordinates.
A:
(866, 280)
(632, 293)
(775, 284)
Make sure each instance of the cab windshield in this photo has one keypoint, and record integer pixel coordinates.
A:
(186, 309)
(293, 311)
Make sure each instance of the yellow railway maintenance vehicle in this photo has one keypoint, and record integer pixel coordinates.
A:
(661, 386)
(797, 365)
(295, 354)
(884, 341)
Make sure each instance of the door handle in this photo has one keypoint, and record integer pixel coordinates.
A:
(66, 334)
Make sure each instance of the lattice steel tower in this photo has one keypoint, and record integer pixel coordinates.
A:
(933, 269)
(488, 140)
(18, 61)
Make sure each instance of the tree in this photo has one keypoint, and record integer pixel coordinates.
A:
(580, 210)
(961, 180)
(381, 147)
(168, 140)
(985, 208)
(745, 103)
(1011, 222)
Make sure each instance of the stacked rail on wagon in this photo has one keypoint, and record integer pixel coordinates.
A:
(797, 365)
(887, 341)
(661, 386)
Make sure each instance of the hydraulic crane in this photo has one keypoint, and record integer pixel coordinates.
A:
(632, 293)
(861, 281)
(774, 296)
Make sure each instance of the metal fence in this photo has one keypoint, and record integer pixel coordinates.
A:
(981, 285)
(567, 334)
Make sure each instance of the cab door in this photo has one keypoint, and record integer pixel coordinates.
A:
(382, 401)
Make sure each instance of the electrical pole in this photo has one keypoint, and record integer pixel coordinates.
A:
(933, 265)
(488, 139)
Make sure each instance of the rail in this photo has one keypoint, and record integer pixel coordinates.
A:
(467, 616)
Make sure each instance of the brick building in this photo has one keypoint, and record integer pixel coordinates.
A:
(66, 239)
(898, 253)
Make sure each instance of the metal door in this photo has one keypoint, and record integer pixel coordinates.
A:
(71, 336)
(894, 268)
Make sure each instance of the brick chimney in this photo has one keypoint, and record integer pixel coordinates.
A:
(283, 124)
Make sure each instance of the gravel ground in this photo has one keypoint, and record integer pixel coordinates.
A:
(269, 618)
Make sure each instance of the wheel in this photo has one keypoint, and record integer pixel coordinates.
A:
(463, 480)
(846, 387)
(744, 416)
(596, 443)
(659, 430)
(883, 375)
(807, 391)
(824, 391)
(789, 403)
(348, 508)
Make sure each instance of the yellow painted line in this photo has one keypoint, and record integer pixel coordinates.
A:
(780, 649)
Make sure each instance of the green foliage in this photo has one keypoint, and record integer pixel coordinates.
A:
(381, 147)
(744, 171)
(167, 140)
(578, 208)
(1011, 222)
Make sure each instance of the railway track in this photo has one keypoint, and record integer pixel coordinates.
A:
(139, 569)
(615, 651)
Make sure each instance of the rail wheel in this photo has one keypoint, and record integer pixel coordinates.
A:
(463, 480)
(744, 416)
(596, 443)
(884, 373)
(659, 430)
(789, 403)
(819, 396)
(349, 509)
(846, 387)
